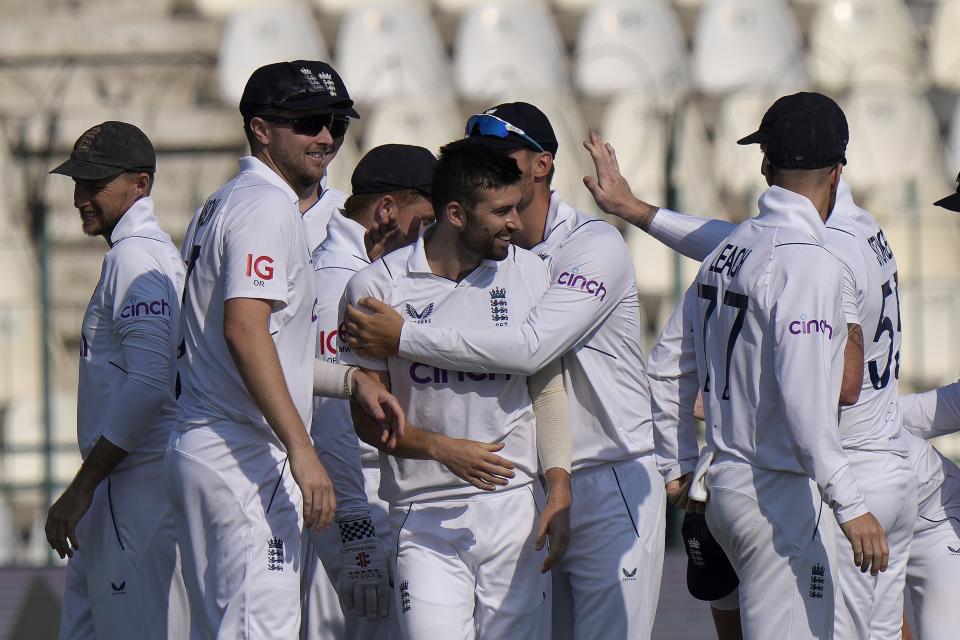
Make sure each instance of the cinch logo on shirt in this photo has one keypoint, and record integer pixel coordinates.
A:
(574, 280)
(261, 266)
(149, 308)
(804, 326)
(425, 374)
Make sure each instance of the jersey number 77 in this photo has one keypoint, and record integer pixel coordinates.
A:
(739, 301)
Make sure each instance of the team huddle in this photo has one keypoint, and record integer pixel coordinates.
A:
(422, 410)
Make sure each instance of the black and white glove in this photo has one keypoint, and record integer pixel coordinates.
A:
(365, 574)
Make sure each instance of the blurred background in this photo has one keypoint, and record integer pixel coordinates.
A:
(671, 83)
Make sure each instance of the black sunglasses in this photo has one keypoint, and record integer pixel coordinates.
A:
(313, 125)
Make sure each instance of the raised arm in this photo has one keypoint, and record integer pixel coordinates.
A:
(691, 236)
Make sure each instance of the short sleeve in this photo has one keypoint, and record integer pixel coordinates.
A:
(256, 243)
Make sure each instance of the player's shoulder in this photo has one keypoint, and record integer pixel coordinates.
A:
(525, 260)
(386, 270)
(251, 192)
(593, 238)
(143, 252)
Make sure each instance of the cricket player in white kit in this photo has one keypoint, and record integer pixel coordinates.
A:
(870, 424)
(468, 563)
(390, 181)
(241, 466)
(769, 333)
(114, 520)
(608, 584)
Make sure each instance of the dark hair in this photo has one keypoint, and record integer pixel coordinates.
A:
(359, 202)
(466, 168)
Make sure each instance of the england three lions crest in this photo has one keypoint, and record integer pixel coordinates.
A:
(499, 313)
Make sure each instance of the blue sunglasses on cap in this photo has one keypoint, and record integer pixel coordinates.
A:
(490, 125)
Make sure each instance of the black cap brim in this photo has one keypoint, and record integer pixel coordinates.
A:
(86, 170)
(757, 137)
(951, 202)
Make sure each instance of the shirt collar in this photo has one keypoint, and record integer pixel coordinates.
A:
(782, 208)
(844, 198)
(346, 236)
(417, 260)
(139, 219)
(250, 164)
(560, 217)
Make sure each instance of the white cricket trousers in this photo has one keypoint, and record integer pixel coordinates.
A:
(933, 571)
(238, 515)
(779, 538)
(871, 607)
(608, 584)
(323, 617)
(466, 568)
(124, 581)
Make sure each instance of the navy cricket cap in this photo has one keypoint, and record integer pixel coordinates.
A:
(803, 101)
(394, 167)
(806, 140)
(300, 86)
(709, 573)
(952, 201)
(511, 126)
(109, 149)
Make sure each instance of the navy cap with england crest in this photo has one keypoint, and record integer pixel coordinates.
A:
(303, 86)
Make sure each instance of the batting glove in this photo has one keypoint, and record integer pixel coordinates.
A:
(365, 577)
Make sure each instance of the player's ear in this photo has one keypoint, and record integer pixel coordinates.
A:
(142, 182)
(455, 215)
(260, 130)
(385, 206)
(766, 170)
(542, 165)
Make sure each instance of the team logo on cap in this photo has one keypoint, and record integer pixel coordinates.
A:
(87, 139)
(320, 82)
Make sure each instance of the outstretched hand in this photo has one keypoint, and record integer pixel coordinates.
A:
(610, 190)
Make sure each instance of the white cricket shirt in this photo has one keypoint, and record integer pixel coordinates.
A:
(341, 255)
(591, 316)
(486, 407)
(769, 334)
(246, 242)
(129, 339)
(317, 217)
(870, 299)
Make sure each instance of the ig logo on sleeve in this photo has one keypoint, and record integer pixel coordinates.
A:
(259, 268)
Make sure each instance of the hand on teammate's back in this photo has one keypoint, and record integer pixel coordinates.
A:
(319, 501)
(375, 331)
(382, 406)
(474, 462)
(869, 542)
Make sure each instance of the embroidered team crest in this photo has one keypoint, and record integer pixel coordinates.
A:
(419, 317)
(498, 306)
(816, 580)
(275, 554)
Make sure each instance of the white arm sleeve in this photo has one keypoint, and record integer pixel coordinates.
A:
(804, 370)
(554, 443)
(329, 379)
(562, 317)
(672, 371)
(146, 352)
(932, 413)
(691, 236)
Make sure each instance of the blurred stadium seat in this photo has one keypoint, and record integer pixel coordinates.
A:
(503, 46)
(628, 46)
(930, 354)
(256, 36)
(392, 51)
(945, 46)
(639, 131)
(747, 44)
(427, 123)
(894, 139)
(865, 42)
(737, 166)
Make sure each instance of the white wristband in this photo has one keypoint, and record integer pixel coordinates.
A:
(330, 380)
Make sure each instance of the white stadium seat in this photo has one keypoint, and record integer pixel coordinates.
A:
(638, 131)
(944, 48)
(505, 46)
(391, 51)
(631, 46)
(865, 42)
(257, 36)
(747, 43)
(693, 168)
(738, 166)
(426, 123)
(894, 138)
